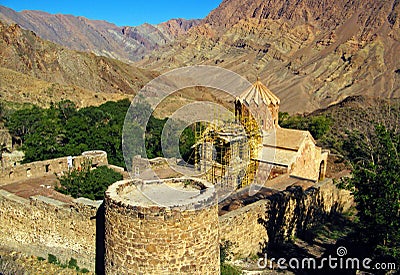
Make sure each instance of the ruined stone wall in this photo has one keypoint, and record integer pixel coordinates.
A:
(49, 167)
(40, 226)
(159, 240)
(281, 216)
(5, 139)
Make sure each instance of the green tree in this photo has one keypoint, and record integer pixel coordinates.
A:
(154, 129)
(186, 141)
(375, 183)
(86, 182)
(225, 255)
(24, 121)
(318, 125)
(67, 109)
(63, 130)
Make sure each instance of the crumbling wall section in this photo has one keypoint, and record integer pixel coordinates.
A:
(51, 166)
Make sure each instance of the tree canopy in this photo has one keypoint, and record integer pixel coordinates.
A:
(88, 183)
(63, 130)
(375, 183)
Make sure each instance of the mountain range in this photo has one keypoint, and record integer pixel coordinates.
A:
(99, 37)
(38, 71)
(311, 53)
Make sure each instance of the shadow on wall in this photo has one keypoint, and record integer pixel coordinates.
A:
(100, 236)
(292, 212)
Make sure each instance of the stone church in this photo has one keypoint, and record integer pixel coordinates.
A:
(255, 147)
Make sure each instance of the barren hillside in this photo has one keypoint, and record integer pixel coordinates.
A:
(100, 37)
(38, 71)
(310, 53)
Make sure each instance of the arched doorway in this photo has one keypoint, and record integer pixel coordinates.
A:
(321, 171)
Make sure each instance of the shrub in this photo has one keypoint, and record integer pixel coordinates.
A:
(87, 182)
(52, 259)
(225, 254)
(72, 263)
(227, 269)
(317, 125)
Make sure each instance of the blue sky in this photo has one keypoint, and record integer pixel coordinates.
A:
(120, 12)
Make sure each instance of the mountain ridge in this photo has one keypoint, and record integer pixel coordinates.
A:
(98, 36)
(56, 72)
(310, 53)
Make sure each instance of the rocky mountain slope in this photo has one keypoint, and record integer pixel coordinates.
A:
(311, 53)
(99, 37)
(38, 71)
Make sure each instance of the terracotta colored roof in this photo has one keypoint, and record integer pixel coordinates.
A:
(258, 93)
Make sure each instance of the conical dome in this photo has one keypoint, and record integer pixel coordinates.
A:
(258, 93)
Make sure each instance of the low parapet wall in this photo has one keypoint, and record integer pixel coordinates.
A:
(51, 166)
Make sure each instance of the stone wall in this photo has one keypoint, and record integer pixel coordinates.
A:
(41, 225)
(159, 240)
(281, 216)
(5, 140)
(242, 228)
(48, 167)
(143, 239)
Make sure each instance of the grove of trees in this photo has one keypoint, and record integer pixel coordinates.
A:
(63, 130)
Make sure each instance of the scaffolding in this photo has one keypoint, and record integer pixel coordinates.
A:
(226, 151)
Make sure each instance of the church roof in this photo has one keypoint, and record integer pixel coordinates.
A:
(290, 139)
(282, 146)
(258, 93)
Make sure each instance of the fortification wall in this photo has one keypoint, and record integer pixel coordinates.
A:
(151, 236)
(40, 226)
(242, 228)
(150, 239)
(48, 167)
(281, 216)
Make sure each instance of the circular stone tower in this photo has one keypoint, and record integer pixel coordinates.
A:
(161, 227)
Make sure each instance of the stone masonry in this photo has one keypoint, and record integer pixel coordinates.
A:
(142, 237)
(51, 166)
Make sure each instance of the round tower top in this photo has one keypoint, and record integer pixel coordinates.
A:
(166, 194)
